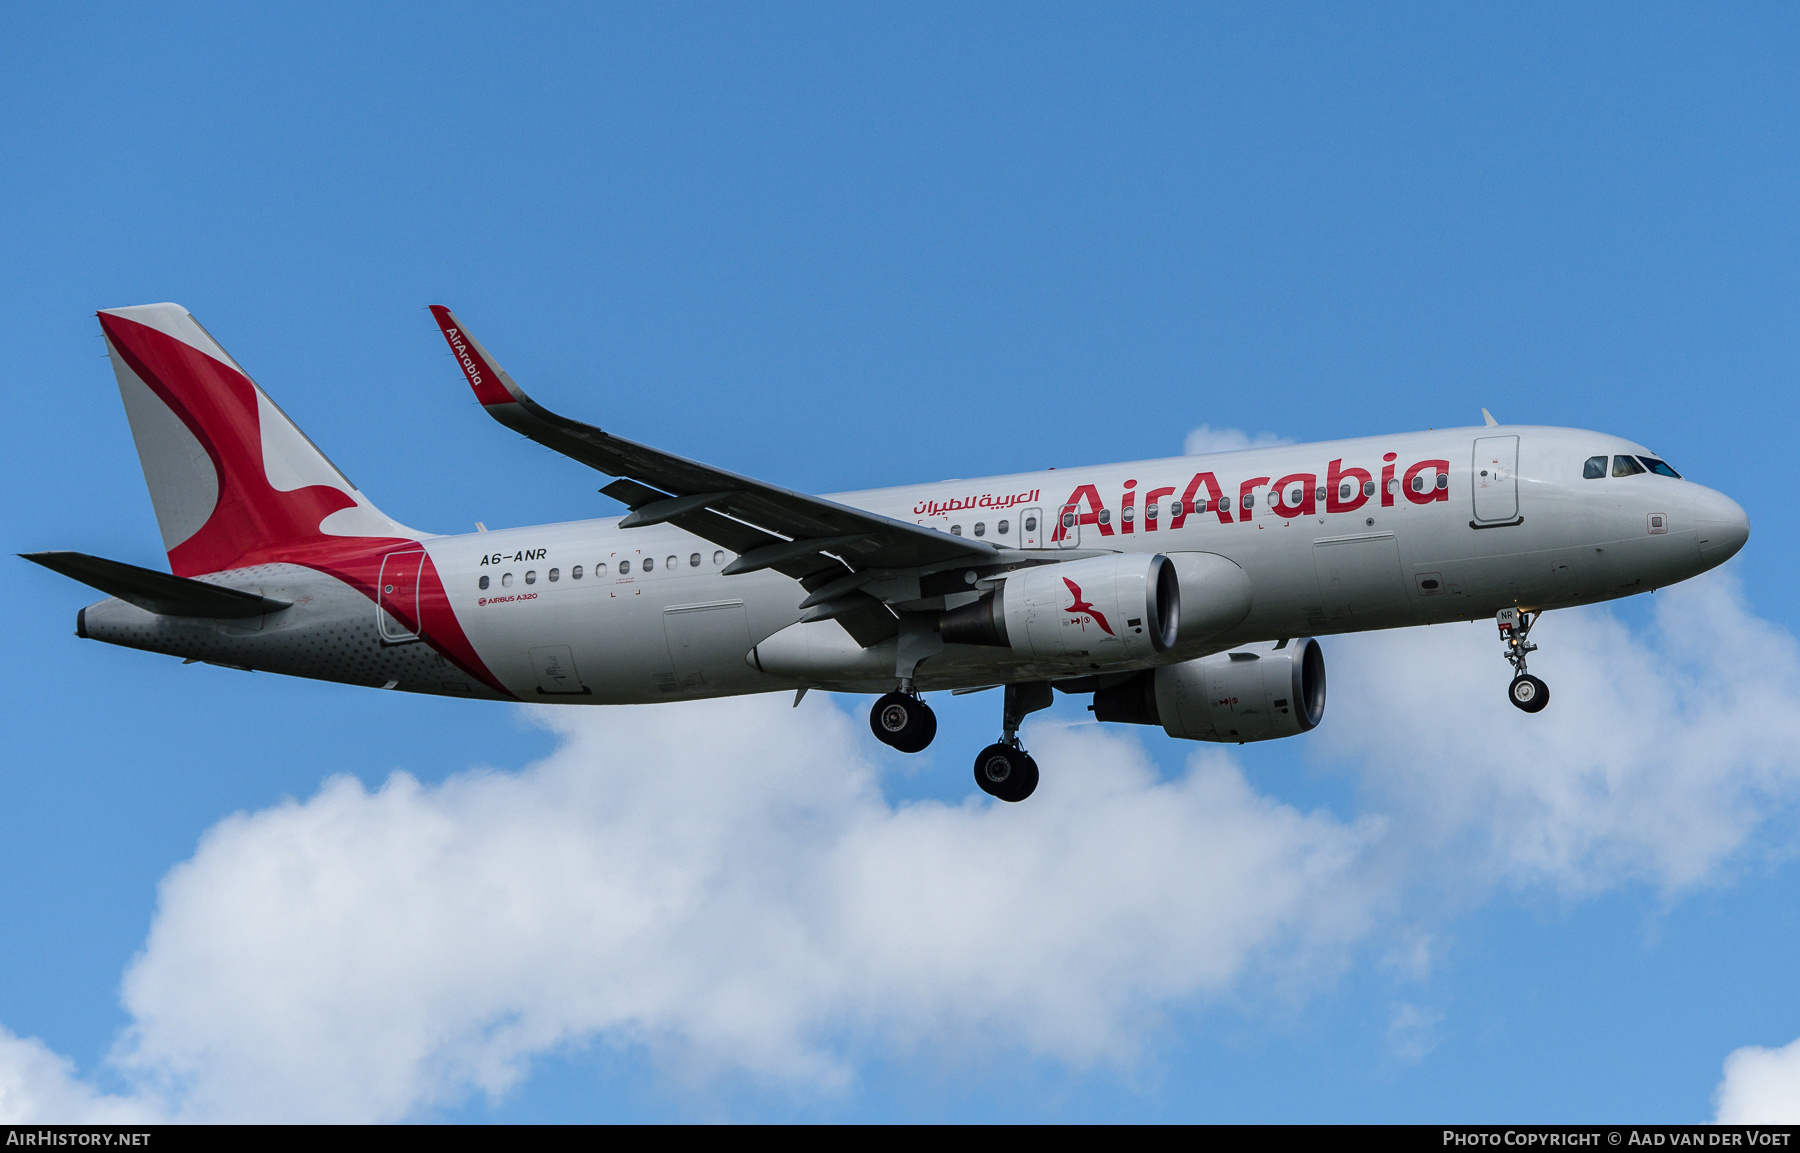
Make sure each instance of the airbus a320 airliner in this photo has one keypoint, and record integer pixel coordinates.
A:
(1183, 592)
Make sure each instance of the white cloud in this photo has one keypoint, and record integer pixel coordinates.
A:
(38, 1086)
(363, 956)
(1206, 438)
(1659, 757)
(1412, 1032)
(1761, 1087)
(723, 887)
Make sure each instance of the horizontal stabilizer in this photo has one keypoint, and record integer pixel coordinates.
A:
(157, 592)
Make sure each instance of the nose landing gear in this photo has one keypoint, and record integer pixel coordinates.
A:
(1005, 770)
(1526, 692)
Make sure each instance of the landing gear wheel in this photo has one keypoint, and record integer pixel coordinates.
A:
(1528, 693)
(903, 722)
(1006, 773)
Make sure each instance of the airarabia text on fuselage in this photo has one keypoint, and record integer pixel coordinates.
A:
(1341, 489)
(986, 500)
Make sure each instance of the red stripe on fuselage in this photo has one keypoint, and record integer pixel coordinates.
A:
(359, 566)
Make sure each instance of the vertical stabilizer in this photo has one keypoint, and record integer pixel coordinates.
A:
(234, 482)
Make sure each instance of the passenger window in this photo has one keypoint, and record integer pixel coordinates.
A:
(649, 564)
(1418, 484)
(1626, 466)
(1106, 516)
(1150, 511)
(1319, 493)
(1225, 504)
(624, 568)
(483, 583)
(531, 576)
(1594, 469)
(555, 574)
(1368, 488)
(1068, 520)
(719, 557)
(1393, 486)
(1001, 528)
(1249, 500)
(506, 580)
(1129, 515)
(1345, 489)
(1443, 480)
(575, 573)
(1659, 468)
(600, 569)
(672, 563)
(1031, 524)
(956, 530)
(694, 560)
(980, 528)
(1175, 507)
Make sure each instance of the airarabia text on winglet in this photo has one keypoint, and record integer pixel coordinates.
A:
(462, 354)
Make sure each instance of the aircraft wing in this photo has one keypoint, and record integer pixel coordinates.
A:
(766, 525)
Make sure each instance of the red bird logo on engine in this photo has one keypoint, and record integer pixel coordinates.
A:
(1081, 607)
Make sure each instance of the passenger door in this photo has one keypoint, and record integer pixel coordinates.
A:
(397, 600)
(1494, 477)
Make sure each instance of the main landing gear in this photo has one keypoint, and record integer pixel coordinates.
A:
(1526, 692)
(903, 721)
(1004, 769)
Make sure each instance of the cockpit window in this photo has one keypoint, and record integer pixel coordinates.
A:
(1658, 467)
(1626, 466)
(1594, 469)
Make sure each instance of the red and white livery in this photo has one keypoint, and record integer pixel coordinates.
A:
(1184, 592)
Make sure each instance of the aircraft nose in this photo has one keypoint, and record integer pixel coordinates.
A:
(1721, 527)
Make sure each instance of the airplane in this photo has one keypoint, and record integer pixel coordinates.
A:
(1184, 592)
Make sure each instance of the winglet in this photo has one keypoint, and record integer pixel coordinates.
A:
(490, 382)
(1489, 417)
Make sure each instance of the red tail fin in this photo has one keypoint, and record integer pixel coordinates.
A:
(234, 482)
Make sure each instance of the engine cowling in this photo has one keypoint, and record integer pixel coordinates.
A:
(1102, 610)
(1255, 693)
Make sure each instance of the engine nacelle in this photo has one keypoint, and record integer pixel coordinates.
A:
(1102, 610)
(1250, 694)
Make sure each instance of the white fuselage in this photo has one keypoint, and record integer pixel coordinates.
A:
(587, 612)
(670, 626)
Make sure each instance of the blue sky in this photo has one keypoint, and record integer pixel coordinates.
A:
(844, 247)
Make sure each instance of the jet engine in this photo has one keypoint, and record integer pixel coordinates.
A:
(1256, 693)
(1102, 610)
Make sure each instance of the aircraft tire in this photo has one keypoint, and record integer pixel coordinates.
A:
(1006, 773)
(1528, 694)
(903, 722)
